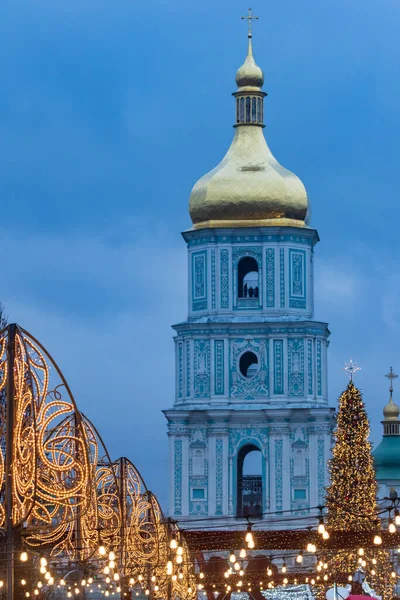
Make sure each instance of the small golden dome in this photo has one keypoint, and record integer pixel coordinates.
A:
(249, 75)
(249, 187)
(391, 411)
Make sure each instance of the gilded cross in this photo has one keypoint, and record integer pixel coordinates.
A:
(391, 375)
(351, 367)
(249, 18)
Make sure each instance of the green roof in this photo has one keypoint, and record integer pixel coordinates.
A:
(387, 458)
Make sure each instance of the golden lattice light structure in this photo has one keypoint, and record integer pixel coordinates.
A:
(63, 497)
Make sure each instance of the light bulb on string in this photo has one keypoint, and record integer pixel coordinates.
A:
(173, 543)
(284, 569)
(232, 557)
(321, 526)
(397, 516)
(377, 540)
(325, 535)
(242, 553)
(23, 556)
(299, 558)
(392, 526)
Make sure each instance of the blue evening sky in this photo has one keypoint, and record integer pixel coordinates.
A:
(111, 110)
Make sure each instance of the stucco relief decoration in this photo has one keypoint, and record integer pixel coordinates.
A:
(202, 368)
(249, 388)
(257, 434)
(296, 366)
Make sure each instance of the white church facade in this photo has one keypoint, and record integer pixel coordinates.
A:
(251, 361)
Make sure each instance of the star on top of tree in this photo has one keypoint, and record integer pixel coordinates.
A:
(351, 368)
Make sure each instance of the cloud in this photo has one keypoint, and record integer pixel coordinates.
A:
(120, 365)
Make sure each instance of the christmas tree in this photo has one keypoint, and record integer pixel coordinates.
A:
(351, 497)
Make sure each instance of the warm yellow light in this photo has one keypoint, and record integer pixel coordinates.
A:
(116, 577)
(50, 580)
(236, 566)
(111, 555)
(111, 564)
(392, 527)
(140, 577)
(173, 543)
(284, 569)
(361, 552)
(43, 562)
(350, 578)
(90, 580)
(102, 551)
(132, 581)
(62, 582)
(377, 540)
(269, 571)
(241, 572)
(374, 561)
(23, 582)
(47, 575)
(23, 556)
(232, 557)
(251, 544)
(83, 582)
(242, 553)
(106, 570)
(108, 579)
(299, 558)
(179, 551)
(325, 535)
(201, 575)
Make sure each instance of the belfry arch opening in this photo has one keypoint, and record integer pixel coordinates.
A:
(249, 482)
(248, 278)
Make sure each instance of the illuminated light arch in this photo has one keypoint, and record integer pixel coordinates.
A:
(49, 457)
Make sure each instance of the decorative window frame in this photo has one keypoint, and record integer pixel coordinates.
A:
(198, 487)
(237, 255)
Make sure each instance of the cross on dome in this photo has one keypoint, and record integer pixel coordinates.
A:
(391, 375)
(249, 18)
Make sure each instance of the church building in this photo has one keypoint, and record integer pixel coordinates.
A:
(251, 360)
(387, 453)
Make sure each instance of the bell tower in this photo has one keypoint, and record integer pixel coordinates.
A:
(249, 431)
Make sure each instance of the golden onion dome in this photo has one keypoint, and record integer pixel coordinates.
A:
(249, 187)
(391, 411)
(249, 74)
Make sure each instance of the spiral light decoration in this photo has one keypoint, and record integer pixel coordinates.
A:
(61, 493)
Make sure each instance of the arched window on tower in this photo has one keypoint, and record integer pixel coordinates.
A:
(249, 483)
(248, 278)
